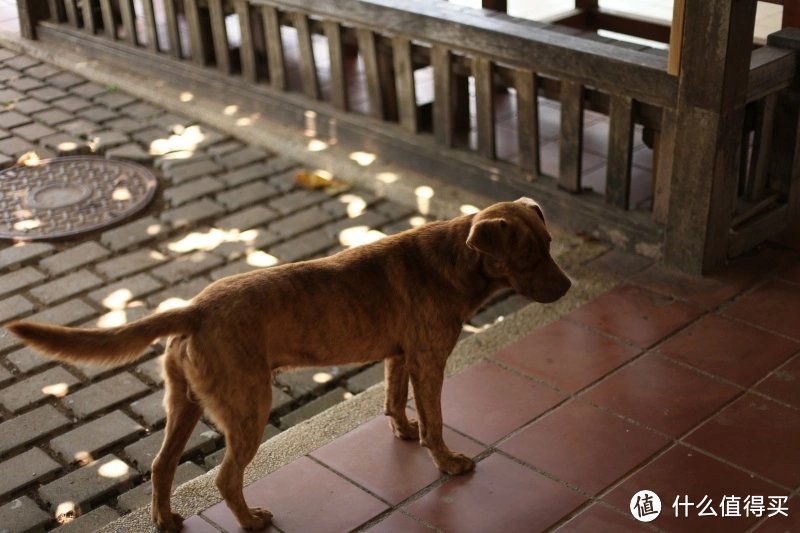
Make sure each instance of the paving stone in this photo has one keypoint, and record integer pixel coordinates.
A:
(118, 295)
(327, 400)
(53, 382)
(126, 125)
(191, 213)
(47, 94)
(15, 147)
(98, 113)
(15, 307)
(24, 83)
(285, 182)
(191, 171)
(53, 117)
(115, 99)
(19, 279)
(148, 136)
(132, 311)
(192, 190)
(22, 516)
(90, 89)
(261, 238)
(85, 441)
(294, 201)
(300, 222)
(368, 219)
(5, 376)
(182, 291)
(70, 312)
(173, 160)
(31, 426)
(278, 164)
(42, 71)
(91, 521)
(303, 246)
(142, 110)
(133, 233)
(130, 152)
(12, 119)
(105, 140)
(9, 74)
(310, 380)
(65, 80)
(104, 394)
(21, 62)
(187, 266)
(79, 127)
(151, 409)
(131, 263)
(250, 193)
(63, 288)
(245, 174)
(245, 156)
(29, 106)
(225, 148)
(247, 218)
(24, 469)
(65, 144)
(72, 103)
(33, 132)
(141, 495)
(203, 439)
(500, 310)
(88, 484)
(211, 137)
(73, 258)
(350, 204)
(151, 370)
(216, 458)
(231, 269)
(365, 378)
(27, 360)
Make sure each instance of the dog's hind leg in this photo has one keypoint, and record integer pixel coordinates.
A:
(243, 431)
(183, 412)
(396, 376)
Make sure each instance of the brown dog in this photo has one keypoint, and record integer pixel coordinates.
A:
(402, 299)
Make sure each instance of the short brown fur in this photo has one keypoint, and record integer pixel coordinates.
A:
(402, 299)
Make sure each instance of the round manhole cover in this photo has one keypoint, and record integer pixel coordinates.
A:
(70, 195)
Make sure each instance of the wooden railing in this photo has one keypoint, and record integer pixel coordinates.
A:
(392, 52)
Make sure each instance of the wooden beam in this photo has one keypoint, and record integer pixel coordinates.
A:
(791, 14)
(710, 117)
(495, 5)
(29, 13)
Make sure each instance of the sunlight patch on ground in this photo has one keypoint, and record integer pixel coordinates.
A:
(211, 239)
(184, 139)
(424, 195)
(65, 512)
(59, 390)
(186, 96)
(172, 303)
(261, 259)
(118, 299)
(364, 159)
(322, 377)
(27, 225)
(315, 145)
(113, 319)
(468, 209)
(113, 469)
(359, 235)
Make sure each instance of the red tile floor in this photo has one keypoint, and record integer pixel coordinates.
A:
(687, 387)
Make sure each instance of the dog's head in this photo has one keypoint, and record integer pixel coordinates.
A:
(514, 243)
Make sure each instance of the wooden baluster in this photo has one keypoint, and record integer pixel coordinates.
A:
(173, 33)
(89, 24)
(443, 95)
(150, 26)
(196, 37)
(56, 10)
(762, 146)
(380, 86)
(129, 21)
(663, 156)
(333, 31)
(484, 106)
(571, 142)
(277, 65)
(247, 51)
(620, 151)
(219, 36)
(308, 67)
(109, 26)
(71, 13)
(527, 121)
(402, 50)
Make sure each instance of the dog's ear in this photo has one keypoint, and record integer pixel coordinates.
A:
(489, 236)
(532, 204)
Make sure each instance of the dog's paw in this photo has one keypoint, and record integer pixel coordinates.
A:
(170, 521)
(456, 463)
(408, 430)
(258, 520)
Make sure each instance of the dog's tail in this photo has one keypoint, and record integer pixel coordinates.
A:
(104, 346)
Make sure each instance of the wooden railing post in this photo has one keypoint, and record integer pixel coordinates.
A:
(784, 160)
(30, 12)
(715, 65)
(571, 141)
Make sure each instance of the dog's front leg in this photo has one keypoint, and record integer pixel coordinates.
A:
(396, 377)
(427, 377)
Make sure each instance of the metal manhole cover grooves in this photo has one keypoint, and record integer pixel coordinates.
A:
(70, 195)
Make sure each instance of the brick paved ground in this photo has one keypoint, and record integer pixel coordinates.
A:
(222, 208)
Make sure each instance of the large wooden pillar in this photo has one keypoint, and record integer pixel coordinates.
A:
(714, 67)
